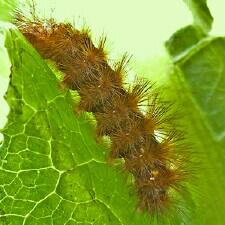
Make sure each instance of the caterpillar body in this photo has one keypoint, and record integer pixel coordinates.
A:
(147, 141)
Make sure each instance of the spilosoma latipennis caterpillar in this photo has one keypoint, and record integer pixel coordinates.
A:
(149, 144)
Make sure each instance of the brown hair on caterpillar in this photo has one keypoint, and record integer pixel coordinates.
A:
(156, 163)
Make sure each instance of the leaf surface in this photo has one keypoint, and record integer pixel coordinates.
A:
(201, 14)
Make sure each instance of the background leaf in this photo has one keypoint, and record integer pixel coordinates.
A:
(201, 14)
(183, 41)
(198, 84)
(6, 8)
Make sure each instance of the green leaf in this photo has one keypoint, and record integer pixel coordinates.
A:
(52, 171)
(201, 14)
(183, 41)
(198, 84)
(6, 9)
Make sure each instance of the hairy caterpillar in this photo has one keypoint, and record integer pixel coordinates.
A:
(147, 141)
